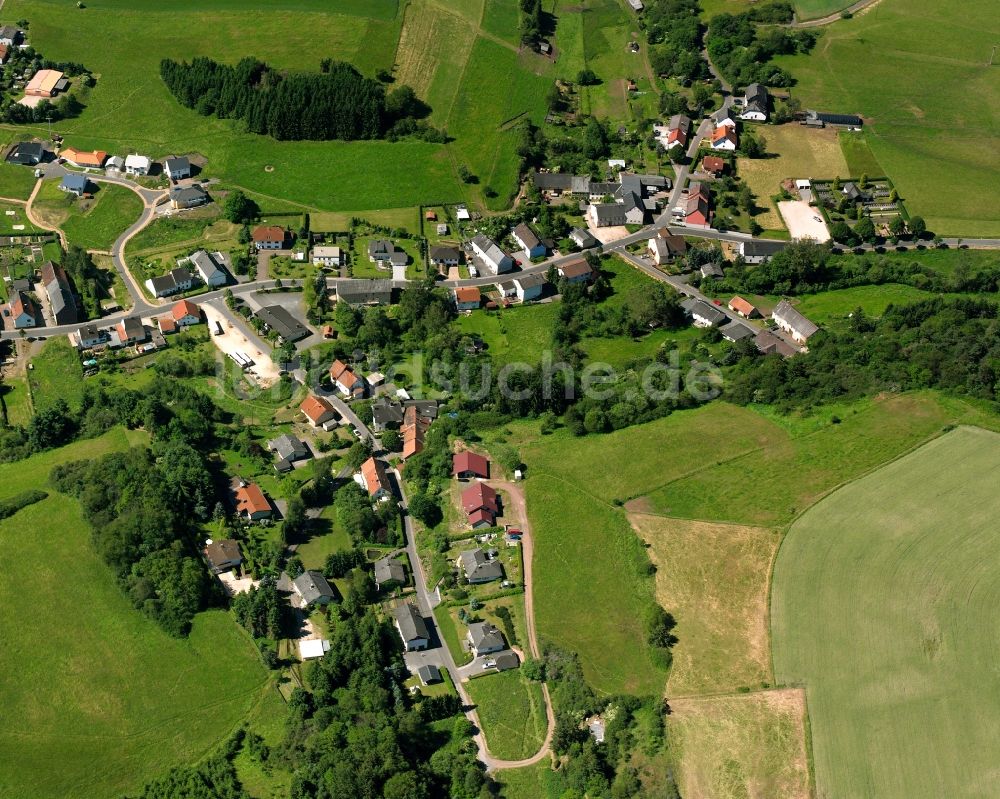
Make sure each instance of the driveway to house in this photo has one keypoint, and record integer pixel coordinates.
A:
(441, 655)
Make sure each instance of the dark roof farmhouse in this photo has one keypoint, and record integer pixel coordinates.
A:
(286, 326)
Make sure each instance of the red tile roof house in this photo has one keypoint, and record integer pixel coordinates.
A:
(251, 503)
(743, 308)
(269, 237)
(375, 480)
(345, 380)
(185, 313)
(481, 504)
(467, 465)
(318, 411)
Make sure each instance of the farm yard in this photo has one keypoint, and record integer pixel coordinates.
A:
(883, 601)
(919, 60)
(98, 682)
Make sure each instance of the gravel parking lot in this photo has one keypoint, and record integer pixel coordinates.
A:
(803, 221)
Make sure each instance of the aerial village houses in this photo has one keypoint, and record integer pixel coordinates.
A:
(383, 253)
(724, 139)
(702, 314)
(676, 132)
(185, 313)
(277, 318)
(467, 465)
(62, 303)
(768, 343)
(759, 251)
(583, 239)
(325, 255)
(46, 83)
(129, 330)
(755, 103)
(312, 588)
(444, 257)
(494, 260)
(347, 383)
(21, 312)
(529, 287)
(223, 555)
(137, 165)
(481, 505)
(251, 504)
(375, 480)
(208, 268)
(793, 322)
(176, 280)
(85, 159)
(694, 206)
(412, 627)
(74, 184)
(528, 241)
(177, 168)
(89, 336)
(269, 237)
(467, 298)
(577, 271)
(182, 197)
(415, 425)
(26, 153)
(365, 292)
(10, 36)
(319, 412)
(484, 638)
(478, 568)
(737, 331)
(290, 450)
(665, 247)
(713, 165)
(389, 572)
(743, 308)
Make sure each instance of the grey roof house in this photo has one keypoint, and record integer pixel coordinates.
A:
(793, 322)
(278, 319)
(289, 449)
(365, 292)
(485, 638)
(313, 588)
(412, 627)
(389, 570)
(478, 567)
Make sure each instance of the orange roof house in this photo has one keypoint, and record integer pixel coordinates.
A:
(414, 428)
(374, 479)
(271, 237)
(251, 503)
(317, 410)
(166, 324)
(480, 496)
(45, 83)
(186, 312)
(84, 158)
(743, 308)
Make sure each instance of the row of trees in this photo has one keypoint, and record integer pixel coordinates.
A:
(948, 344)
(806, 268)
(337, 103)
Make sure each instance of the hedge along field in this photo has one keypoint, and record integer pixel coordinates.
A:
(917, 72)
(91, 685)
(884, 606)
(130, 109)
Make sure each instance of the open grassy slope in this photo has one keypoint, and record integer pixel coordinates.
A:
(475, 86)
(884, 607)
(917, 72)
(97, 699)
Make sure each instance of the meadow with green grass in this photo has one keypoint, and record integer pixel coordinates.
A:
(130, 109)
(884, 608)
(56, 374)
(96, 681)
(918, 73)
(93, 224)
(512, 712)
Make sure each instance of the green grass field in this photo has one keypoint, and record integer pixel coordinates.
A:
(512, 712)
(89, 679)
(14, 220)
(16, 182)
(884, 607)
(830, 306)
(91, 224)
(908, 67)
(16, 400)
(56, 374)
